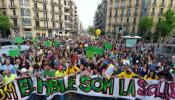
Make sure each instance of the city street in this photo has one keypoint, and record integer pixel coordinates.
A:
(87, 49)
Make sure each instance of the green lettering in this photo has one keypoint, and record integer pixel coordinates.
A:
(108, 83)
(121, 87)
(61, 85)
(85, 84)
(94, 86)
(71, 83)
(53, 86)
(23, 87)
(131, 88)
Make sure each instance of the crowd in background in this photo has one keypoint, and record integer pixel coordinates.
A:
(69, 58)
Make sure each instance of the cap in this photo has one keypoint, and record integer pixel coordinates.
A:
(60, 67)
(23, 70)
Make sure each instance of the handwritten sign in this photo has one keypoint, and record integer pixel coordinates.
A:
(88, 85)
(131, 42)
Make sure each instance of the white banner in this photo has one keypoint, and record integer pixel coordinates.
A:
(93, 86)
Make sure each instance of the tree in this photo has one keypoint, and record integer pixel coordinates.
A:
(4, 24)
(90, 30)
(166, 25)
(145, 25)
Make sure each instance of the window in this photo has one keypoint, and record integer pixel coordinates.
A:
(161, 11)
(43, 34)
(25, 12)
(122, 12)
(36, 15)
(12, 2)
(35, 5)
(45, 24)
(134, 20)
(127, 20)
(14, 12)
(45, 15)
(15, 23)
(37, 23)
(24, 2)
(26, 21)
(53, 25)
(44, 7)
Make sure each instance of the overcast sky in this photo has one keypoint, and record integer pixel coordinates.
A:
(86, 11)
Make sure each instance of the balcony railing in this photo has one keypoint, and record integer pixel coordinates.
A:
(137, 5)
(154, 4)
(2, 7)
(135, 14)
(128, 14)
(129, 6)
(44, 19)
(160, 14)
(162, 5)
(12, 6)
(134, 23)
(36, 18)
(14, 16)
(15, 26)
(123, 7)
(41, 1)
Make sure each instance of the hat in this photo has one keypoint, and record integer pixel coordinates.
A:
(23, 70)
(60, 67)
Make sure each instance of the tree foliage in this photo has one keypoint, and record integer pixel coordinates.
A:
(4, 22)
(145, 24)
(167, 24)
(90, 30)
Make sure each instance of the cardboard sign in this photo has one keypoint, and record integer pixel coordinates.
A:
(131, 42)
(19, 40)
(14, 53)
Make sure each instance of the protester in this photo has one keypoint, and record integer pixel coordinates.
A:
(60, 72)
(24, 73)
(9, 77)
(48, 72)
(9, 67)
(151, 76)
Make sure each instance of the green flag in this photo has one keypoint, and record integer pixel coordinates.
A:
(98, 50)
(56, 43)
(89, 54)
(14, 53)
(19, 40)
(35, 39)
(107, 46)
(47, 43)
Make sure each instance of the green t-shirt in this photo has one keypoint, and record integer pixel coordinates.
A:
(50, 73)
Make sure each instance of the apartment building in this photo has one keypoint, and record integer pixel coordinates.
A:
(45, 18)
(122, 16)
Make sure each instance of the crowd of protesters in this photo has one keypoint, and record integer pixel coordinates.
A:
(69, 58)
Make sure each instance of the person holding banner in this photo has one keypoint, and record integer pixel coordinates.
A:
(151, 76)
(9, 77)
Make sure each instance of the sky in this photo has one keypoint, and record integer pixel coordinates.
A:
(86, 11)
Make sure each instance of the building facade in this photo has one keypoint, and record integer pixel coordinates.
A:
(45, 18)
(122, 16)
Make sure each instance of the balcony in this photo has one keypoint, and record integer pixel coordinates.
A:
(40, 1)
(135, 14)
(154, 4)
(2, 7)
(55, 20)
(36, 18)
(170, 4)
(160, 14)
(129, 6)
(134, 23)
(12, 6)
(137, 5)
(128, 14)
(162, 5)
(123, 7)
(152, 13)
(16, 26)
(54, 12)
(13, 16)
(44, 19)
